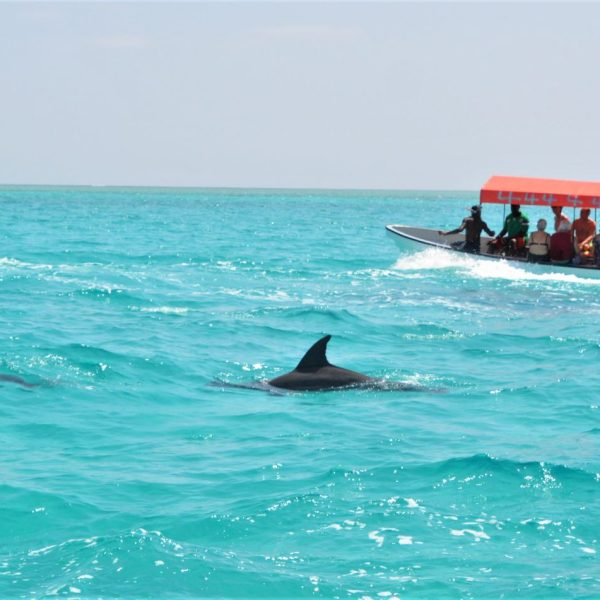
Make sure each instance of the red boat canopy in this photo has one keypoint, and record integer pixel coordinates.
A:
(541, 192)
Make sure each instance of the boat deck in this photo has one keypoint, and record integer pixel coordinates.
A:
(432, 237)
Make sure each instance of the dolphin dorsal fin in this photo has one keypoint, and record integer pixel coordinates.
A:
(315, 357)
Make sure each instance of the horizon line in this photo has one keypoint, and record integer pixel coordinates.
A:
(226, 188)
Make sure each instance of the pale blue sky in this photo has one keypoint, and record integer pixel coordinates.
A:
(394, 95)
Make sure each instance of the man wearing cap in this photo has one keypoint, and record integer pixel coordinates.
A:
(474, 226)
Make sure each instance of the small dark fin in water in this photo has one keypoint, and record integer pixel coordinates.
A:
(315, 357)
(18, 380)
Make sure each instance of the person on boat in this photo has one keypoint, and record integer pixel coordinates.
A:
(559, 217)
(539, 243)
(561, 246)
(597, 250)
(583, 231)
(474, 225)
(515, 229)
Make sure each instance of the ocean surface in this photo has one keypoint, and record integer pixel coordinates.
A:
(132, 470)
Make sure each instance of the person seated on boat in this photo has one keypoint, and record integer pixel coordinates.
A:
(561, 246)
(559, 217)
(539, 243)
(597, 250)
(583, 231)
(515, 229)
(474, 225)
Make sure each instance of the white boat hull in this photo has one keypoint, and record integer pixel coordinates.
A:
(415, 239)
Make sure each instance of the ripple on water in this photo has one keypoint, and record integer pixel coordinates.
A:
(131, 474)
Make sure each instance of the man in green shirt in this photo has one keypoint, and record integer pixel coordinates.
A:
(515, 228)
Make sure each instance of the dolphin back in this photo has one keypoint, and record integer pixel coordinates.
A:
(18, 380)
(315, 373)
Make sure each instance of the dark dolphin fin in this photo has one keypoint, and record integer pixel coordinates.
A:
(315, 357)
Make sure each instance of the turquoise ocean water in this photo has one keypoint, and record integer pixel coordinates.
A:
(127, 474)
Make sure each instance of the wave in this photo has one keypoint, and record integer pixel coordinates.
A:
(426, 331)
(538, 473)
(23, 265)
(278, 532)
(286, 323)
(312, 312)
(139, 561)
(74, 364)
(28, 507)
(47, 367)
(106, 292)
(164, 310)
(485, 463)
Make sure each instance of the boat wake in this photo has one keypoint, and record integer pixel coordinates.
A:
(435, 258)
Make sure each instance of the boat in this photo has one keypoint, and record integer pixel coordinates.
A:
(509, 190)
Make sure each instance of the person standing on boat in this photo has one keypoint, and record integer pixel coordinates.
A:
(583, 232)
(559, 217)
(474, 225)
(515, 228)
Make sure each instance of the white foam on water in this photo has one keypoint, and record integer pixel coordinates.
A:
(43, 550)
(226, 265)
(13, 262)
(479, 268)
(378, 539)
(279, 295)
(478, 535)
(165, 310)
(253, 367)
(376, 536)
(432, 258)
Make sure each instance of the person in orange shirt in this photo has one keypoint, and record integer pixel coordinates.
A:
(583, 231)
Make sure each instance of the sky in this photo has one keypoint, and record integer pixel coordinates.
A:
(346, 95)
